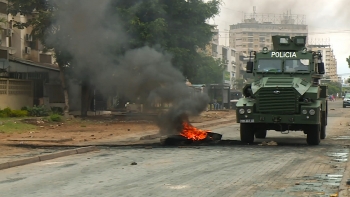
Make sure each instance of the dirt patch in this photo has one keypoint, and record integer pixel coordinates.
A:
(86, 130)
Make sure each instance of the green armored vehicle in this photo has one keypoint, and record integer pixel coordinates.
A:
(286, 94)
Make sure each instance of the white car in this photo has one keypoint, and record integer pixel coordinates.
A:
(346, 100)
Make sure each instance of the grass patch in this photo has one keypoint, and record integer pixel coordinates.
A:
(14, 125)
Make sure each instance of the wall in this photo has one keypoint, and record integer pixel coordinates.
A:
(15, 93)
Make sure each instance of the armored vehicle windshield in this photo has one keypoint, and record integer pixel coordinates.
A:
(297, 65)
(269, 65)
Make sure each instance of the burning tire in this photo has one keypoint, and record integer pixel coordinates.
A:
(313, 134)
(247, 133)
(261, 134)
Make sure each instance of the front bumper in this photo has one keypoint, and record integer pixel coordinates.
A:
(346, 103)
(279, 119)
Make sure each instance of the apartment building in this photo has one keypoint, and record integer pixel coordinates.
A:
(329, 60)
(228, 57)
(214, 42)
(19, 43)
(256, 30)
(28, 76)
(226, 54)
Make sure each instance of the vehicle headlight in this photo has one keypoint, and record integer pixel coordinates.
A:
(241, 111)
(312, 112)
(304, 111)
(249, 111)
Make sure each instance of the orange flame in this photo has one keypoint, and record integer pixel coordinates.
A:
(192, 133)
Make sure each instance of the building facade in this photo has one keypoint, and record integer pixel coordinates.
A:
(227, 54)
(19, 43)
(29, 75)
(228, 57)
(256, 31)
(330, 62)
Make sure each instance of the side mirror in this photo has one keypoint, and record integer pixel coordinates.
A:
(320, 68)
(249, 67)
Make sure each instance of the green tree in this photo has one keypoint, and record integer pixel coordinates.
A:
(209, 70)
(176, 26)
(348, 61)
(334, 87)
(348, 80)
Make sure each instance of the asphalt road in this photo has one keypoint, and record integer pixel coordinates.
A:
(229, 168)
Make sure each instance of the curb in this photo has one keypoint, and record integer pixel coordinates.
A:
(26, 161)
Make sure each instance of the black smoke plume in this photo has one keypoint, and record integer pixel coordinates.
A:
(90, 32)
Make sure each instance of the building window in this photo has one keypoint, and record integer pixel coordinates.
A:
(3, 8)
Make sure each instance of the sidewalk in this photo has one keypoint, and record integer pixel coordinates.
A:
(41, 154)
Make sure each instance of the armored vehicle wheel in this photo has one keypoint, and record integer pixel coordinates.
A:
(247, 133)
(313, 134)
(260, 134)
(323, 125)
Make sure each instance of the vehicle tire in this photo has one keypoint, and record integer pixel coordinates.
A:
(323, 125)
(313, 134)
(247, 132)
(344, 106)
(261, 134)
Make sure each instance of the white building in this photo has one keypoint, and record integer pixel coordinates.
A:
(330, 62)
(256, 30)
(228, 57)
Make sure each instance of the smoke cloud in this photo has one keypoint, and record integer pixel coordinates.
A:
(91, 31)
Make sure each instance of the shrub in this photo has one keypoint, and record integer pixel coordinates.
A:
(18, 113)
(8, 112)
(3, 114)
(55, 118)
(37, 111)
(57, 110)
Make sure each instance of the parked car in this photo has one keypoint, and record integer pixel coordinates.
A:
(346, 100)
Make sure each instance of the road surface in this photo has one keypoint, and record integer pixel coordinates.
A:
(290, 168)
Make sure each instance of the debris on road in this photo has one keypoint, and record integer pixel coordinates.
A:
(271, 143)
(133, 163)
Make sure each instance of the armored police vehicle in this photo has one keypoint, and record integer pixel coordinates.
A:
(286, 94)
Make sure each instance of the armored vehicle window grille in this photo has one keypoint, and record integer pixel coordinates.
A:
(279, 81)
(304, 83)
(277, 101)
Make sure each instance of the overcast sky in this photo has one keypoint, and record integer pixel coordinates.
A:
(326, 19)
